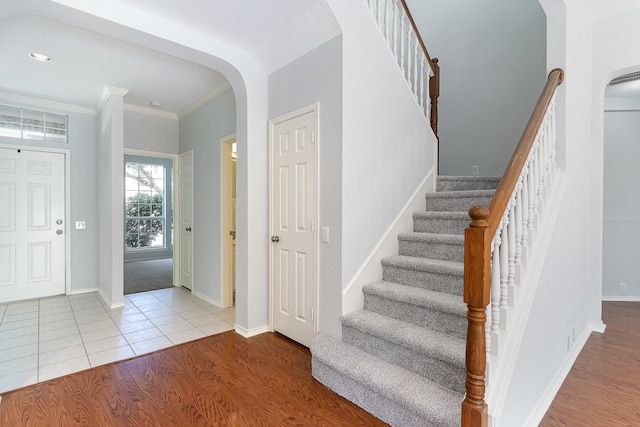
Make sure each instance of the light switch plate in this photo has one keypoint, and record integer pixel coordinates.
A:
(81, 225)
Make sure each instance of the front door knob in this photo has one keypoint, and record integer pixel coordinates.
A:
(275, 239)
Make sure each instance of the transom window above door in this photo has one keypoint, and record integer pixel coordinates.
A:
(145, 210)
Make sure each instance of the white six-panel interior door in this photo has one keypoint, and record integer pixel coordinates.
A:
(32, 224)
(293, 224)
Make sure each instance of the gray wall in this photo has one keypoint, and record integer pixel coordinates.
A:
(151, 133)
(201, 132)
(621, 231)
(82, 146)
(317, 77)
(493, 68)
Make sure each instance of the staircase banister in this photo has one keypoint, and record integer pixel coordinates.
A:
(415, 30)
(509, 180)
(482, 230)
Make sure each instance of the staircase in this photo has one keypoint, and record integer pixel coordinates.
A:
(402, 357)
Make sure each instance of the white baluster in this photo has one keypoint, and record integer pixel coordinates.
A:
(504, 271)
(385, 11)
(394, 28)
(421, 88)
(416, 45)
(519, 221)
(495, 284)
(409, 63)
(403, 21)
(512, 233)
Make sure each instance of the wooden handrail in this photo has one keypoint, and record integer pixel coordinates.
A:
(415, 30)
(511, 174)
(477, 260)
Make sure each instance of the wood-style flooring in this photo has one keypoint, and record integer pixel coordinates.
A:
(603, 387)
(222, 380)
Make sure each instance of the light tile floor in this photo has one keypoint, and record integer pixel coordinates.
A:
(46, 338)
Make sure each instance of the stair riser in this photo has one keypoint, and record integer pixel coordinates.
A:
(457, 185)
(441, 372)
(382, 407)
(428, 318)
(440, 225)
(441, 251)
(424, 279)
(455, 204)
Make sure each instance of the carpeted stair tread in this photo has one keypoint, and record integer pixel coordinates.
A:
(444, 222)
(413, 399)
(434, 274)
(447, 247)
(438, 301)
(460, 183)
(430, 343)
(457, 201)
(425, 264)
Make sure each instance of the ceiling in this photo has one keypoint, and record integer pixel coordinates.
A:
(85, 61)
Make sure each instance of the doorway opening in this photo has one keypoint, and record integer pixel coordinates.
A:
(148, 223)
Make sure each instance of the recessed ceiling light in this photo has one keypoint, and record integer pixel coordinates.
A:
(156, 104)
(40, 57)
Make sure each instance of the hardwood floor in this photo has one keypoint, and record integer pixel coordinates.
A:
(603, 387)
(222, 380)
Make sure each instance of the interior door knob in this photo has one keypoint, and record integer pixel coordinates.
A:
(275, 239)
(188, 229)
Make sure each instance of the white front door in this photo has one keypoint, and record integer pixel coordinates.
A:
(32, 224)
(185, 223)
(293, 225)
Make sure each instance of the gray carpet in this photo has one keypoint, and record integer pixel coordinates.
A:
(150, 275)
(402, 357)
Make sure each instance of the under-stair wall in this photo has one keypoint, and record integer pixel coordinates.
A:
(388, 147)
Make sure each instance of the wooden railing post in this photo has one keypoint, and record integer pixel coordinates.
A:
(434, 94)
(477, 273)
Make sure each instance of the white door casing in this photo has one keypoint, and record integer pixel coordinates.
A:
(227, 221)
(293, 211)
(32, 224)
(185, 221)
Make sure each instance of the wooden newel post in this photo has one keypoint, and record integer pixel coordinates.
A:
(477, 286)
(434, 94)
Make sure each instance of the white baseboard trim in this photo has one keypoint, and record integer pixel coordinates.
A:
(622, 298)
(85, 291)
(550, 393)
(371, 268)
(206, 298)
(248, 333)
(102, 295)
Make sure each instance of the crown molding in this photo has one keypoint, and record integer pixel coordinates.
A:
(218, 90)
(106, 94)
(150, 112)
(8, 97)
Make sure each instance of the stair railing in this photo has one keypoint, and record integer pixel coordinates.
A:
(497, 241)
(401, 35)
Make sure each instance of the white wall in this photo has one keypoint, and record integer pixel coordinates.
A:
(317, 77)
(201, 131)
(82, 146)
(387, 145)
(150, 133)
(110, 170)
(621, 230)
(492, 60)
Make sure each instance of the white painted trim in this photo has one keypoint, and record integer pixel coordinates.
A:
(107, 91)
(547, 397)
(248, 333)
(206, 298)
(226, 289)
(8, 97)
(371, 268)
(150, 111)
(67, 202)
(312, 108)
(500, 379)
(217, 91)
(629, 298)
